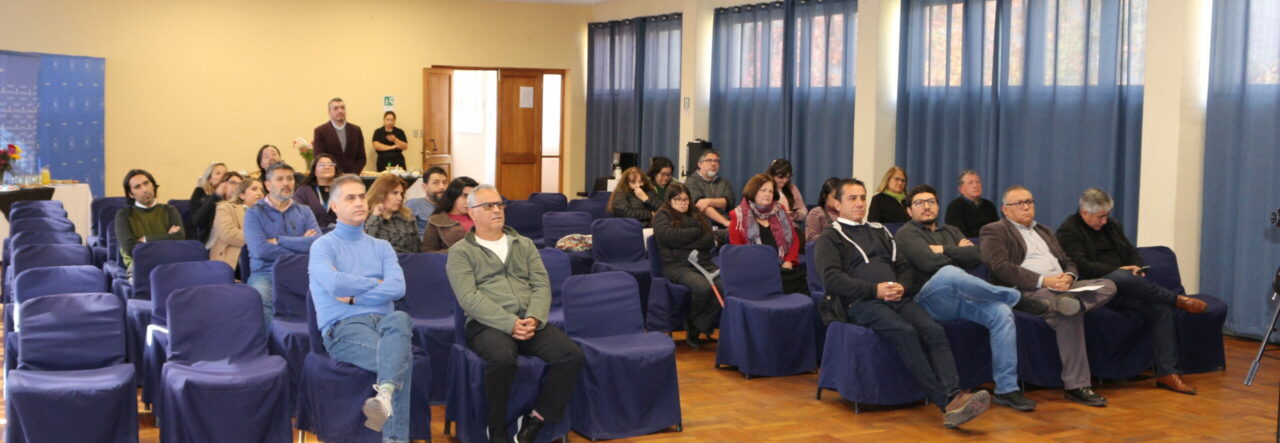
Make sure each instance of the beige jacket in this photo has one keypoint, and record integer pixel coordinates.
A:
(227, 237)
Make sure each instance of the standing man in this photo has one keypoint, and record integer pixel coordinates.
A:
(501, 284)
(970, 212)
(274, 227)
(144, 219)
(860, 265)
(434, 182)
(1096, 243)
(1026, 255)
(711, 194)
(344, 141)
(355, 279)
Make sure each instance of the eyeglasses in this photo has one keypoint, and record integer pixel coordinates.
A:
(1025, 204)
(925, 202)
(680, 200)
(326, 165)
(710, 160)
(491, 206)
(898, 179)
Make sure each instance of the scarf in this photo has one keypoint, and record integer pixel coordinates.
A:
(779, 225)
(895, 195)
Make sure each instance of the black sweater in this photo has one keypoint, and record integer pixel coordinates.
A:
(970, 218)
(1081, 243)
(675, 244)
(886, 209)
(839, 263)
(627, 205)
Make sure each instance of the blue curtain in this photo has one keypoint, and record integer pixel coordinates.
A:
(821, 130)
(1239, 253)
(1042, 93)
(633, 98)
(71, 118)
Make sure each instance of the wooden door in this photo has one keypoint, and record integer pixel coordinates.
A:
(437, 99)
(519, 171)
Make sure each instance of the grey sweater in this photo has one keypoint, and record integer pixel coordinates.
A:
(914, 241)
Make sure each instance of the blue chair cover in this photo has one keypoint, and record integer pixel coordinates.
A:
(893, 227)
(219, 384)
(556, 225)
(146, 256)
(1119, 342)
(37, 238)
(817, 290)
(617, 244)
(629, 385)
(59, 224)
(762, 331)
(331, 394)
(552, 201)
(36, 204)
(599, 195)
(38, 282)
(72, 383)
(864, 368)
(36, 212)
(465, 403)
(597, 208)
(164, 280)
(289, 337)
(668, 302)
(428, 300)
(526, 217)
(242, 264)
(559, 268)
(971, 346)
(103, 211)
(1200, 346)
(1038, 360)
(184, 210)
(43, 255)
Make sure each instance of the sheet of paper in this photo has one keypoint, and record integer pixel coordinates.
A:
(1086, 288)
(526, 96)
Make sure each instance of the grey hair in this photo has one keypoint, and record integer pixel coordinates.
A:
(1005, 197)
(960, 179)
(706, 152)
(471, 198)
(335, 188)
(1095, 201)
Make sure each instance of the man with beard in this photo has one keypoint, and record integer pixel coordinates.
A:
(274, 227)
(144, 219)
(434, 181)
(712, 194)
(340, 139)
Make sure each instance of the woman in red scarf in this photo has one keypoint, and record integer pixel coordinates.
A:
(758, 221)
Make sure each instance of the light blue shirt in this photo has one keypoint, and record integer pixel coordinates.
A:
(1039, 258)
(349, 263)
(422, 209)
(263, 222)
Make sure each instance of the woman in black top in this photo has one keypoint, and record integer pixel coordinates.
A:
(313, 191)
(679, 231)
(389, 141)
(634, 197)
(205, 207)
(888, 204)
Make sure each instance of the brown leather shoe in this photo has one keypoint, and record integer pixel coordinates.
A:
(1174, 383)
(1191, 305)
(965, 407)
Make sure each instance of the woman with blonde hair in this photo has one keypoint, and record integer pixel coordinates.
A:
(888, 204)
(207, 186)
(389, 219)
(227, 236)
(634, 197)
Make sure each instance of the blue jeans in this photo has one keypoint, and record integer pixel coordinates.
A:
(262, 281)
(378, 344)
(954, 294)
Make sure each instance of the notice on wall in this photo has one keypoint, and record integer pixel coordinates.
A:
(526, 96)
(388, 103)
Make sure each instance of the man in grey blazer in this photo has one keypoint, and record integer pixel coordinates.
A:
(1025, 255)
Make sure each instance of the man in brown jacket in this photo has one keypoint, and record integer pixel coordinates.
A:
(1025, 255)
(341, 139)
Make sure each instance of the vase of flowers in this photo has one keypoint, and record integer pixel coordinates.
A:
(304, 148)
(7, 156)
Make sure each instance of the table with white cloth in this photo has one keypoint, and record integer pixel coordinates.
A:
(76, 199)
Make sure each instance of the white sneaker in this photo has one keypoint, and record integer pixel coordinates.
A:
(377, 409)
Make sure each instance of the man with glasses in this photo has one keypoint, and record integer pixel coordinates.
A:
(1026, 255)
(936, 254)
(712, 194)
(501, 284)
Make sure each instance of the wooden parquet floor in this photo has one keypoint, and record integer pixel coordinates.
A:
(719, 405)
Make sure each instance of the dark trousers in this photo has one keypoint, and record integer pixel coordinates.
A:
(499, 350)
(703, 306)
(1156, 304)
(920, 341)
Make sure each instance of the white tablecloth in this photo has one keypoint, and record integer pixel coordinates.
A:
(76, 199)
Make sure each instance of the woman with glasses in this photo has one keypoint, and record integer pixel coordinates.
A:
(634, 197)
(314, 190)
(888, 205)
(450, 222)
(661, 173)
(678, 232)
(389, 219)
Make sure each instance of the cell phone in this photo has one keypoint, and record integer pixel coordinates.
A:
(1144, 268)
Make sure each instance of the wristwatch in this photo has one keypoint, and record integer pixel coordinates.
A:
(352, 300)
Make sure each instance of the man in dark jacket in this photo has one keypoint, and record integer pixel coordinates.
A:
(1096, 243)
(340, 139)
(860, 266)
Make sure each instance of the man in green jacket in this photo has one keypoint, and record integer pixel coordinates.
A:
(144, 219)
(500, 282)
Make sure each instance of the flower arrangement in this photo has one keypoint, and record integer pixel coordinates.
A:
(8, 156)
(305, 149)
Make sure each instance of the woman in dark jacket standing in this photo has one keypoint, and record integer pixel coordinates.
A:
(634, 197)
(678, 232)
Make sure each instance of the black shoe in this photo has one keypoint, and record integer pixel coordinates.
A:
(1086, 396)
(1015, 400)
(529, 427)
(1032, 306)
(691, 336)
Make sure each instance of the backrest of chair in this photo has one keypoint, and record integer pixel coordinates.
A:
(98, 209)
(42, 224)
(37, 212)
(811, 269)
(184, 209)
(602, 304)
(113, 246)
(148, 255)
(170, 277)
(42, 255)
(559, 268)
(64, 332)
(37, 238)
(599, 195)
(290, 281)
(750, 271)
(105, 216)
(242, 264)
(216, 323)
(427, 290)
(52, 206)
(655, 256)
(1164, 267)
(459, 323)
(616, 240)
(597, 208)
(526, 217)
(553, 201)
(893, 227)
(36, 282)
(556, 225)
(317, 342)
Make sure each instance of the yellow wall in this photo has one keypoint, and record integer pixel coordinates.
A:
(190, 82)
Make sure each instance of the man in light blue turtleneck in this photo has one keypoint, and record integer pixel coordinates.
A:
(355, 279)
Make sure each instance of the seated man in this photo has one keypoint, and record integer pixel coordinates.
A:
(712, 194)
(859, 265)
(936, 254)
(970, 211)
(501, 284)
(433, 183)
(1096, 243)
(274, 227)
(144, 219)
(355, 279)
(1026, 256)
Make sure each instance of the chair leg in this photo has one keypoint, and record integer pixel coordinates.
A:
(856, 408)
(302, 436)
(446, 426)
(818, 396)
(680, 426)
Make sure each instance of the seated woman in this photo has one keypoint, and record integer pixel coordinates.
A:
(758, 220)
(678, 232)
(313, 191)
(887, 206)
(214, 186)
(227, 237)
(633, 197)
(388, 218)
(661, 171)
(785, 191)
(450, 222)
(267, 155)
(821, 216)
